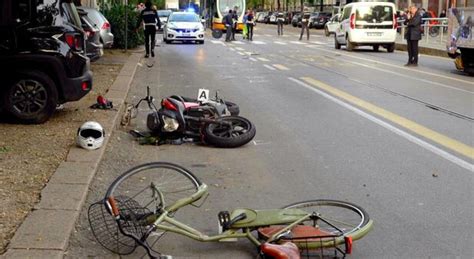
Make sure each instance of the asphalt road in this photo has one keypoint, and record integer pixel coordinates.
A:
(355, 126)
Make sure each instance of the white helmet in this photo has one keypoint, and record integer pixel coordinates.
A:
(90, 135)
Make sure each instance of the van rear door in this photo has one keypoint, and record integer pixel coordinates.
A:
(374, 17)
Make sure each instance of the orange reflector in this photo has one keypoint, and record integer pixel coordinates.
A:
(348, 241)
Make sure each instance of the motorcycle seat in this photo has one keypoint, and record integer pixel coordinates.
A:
(189, 105)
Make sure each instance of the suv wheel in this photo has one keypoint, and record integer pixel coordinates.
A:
(349, 44)
(31, 97)
(336, 43)
(391, 47)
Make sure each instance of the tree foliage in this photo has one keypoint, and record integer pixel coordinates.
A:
(115, 13)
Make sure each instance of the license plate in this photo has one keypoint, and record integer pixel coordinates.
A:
(186, 34)
(374, 33)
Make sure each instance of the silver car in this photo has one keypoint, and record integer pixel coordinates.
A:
(106, 36)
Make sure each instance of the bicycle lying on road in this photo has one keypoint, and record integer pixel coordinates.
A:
(141, 205)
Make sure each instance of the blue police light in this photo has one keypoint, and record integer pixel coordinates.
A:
(190, 10)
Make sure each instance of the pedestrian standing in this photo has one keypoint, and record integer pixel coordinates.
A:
(280, 20)
(304, 24)
(150, 19)
(228, 26)
(250, 23)
(245, 32)
(413, 35)
(235, 19)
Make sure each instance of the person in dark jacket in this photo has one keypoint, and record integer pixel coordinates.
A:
(235, 18)
(228, 22)
(250, 23)
(150, 19)
(304, 24)
(413, 35)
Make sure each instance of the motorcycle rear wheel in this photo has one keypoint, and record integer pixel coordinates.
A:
(235, 132)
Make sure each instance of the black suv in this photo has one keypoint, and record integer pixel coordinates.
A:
(42, 58)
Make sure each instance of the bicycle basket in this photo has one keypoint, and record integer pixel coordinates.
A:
(311, 241)
(106, 229)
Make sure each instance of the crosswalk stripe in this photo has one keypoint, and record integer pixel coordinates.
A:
(239, 42)
(280, 43)
(269, 67)
(239, 48)
(241, 53)
(217, 42)
(259, 42)
(281, 67)
(263, 59)
(298, 43)
(254, 60)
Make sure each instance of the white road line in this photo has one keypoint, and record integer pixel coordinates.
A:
(298, 43)
(232, 49)
(263, 59)
(254, 60)
(258, 42)
(239, 48)
(319, 42)
(400, 67)
(280, 43)
(248, 53)
(217, 42)
(241, 53)
(239, 42)
(450, 157)
(269, 67)
(280, 67)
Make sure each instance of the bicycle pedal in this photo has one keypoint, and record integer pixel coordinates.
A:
(220, 230)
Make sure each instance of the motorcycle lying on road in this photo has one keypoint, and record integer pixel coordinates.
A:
(214, 121)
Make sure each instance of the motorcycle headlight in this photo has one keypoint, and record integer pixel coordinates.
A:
(169, 124)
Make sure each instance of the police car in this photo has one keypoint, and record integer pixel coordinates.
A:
(183, 26)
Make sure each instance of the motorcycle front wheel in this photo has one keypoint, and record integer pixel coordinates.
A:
(229, 132)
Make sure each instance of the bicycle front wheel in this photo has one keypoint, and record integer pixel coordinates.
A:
(338, 218)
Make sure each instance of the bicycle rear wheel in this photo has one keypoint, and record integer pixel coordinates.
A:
(335, 217)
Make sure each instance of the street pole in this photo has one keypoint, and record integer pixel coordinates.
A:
(126, 25)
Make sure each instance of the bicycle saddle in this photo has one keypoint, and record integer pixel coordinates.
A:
(287, 250)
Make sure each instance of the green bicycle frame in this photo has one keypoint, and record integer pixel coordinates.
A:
(255, 219)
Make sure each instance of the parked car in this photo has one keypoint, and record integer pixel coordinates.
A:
(183, 26)
(367, 23)
(94, 49)
(261, 16)
(42, 61)
(319, 19)
(331, 25)
(296, 21)
(99, 20)
(267, 17)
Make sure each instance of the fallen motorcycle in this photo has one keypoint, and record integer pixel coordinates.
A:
(213, 121)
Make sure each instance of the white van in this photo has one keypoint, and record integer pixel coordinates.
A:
(367, 24)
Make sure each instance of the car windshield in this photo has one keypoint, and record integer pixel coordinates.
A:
(226, 5)
(184, 17)
(164, 13)
(374, 13)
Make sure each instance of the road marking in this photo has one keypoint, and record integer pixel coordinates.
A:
(238, 42)
(259, 42)
(319, 42)
(268, 35)
(298, 43)
(263, 59)
(253, 59)
(241, 53)
(248, 53)
(279, 42)
(269, 67)
(239, 48)
(217, 42)
(432, 135)
(401, 67)
(281, 67)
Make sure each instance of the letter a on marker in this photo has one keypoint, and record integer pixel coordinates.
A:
(203, 95)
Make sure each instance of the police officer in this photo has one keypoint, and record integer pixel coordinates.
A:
(280, 20)
(150, 19)
(228, 22)
(304, 24)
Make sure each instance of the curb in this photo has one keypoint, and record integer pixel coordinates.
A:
(46, 230)
(424, 50)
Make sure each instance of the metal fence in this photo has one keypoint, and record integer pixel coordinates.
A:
(434, 30)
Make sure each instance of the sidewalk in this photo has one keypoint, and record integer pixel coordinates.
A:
(46, 231)
(435, 46)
